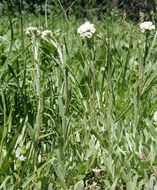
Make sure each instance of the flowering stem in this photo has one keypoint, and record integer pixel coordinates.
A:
(38, 91)
(152, 46)
(46, 14)
(110, 96)
(66, 103)
(138, 99)
(94, 75)
(65, 72)
(146, 50)
(92, 67)
(144, 60)
(4, 131)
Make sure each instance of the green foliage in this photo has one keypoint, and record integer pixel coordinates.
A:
(86, 120)
(82, 8)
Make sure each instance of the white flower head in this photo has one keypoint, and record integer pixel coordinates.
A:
(86, 30)
(155, 116)
(32, 31)
(46, 34)
(21, 158)
(147, 26)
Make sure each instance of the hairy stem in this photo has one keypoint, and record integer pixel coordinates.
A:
(38, 92)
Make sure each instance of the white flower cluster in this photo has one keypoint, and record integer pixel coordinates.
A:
(155, 116)
(46, 34)
(21, 158)
(147, 26)
(32, 31)
(86, 30)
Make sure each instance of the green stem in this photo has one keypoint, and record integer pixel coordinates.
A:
(93, 74)
(38, 92)
(65, 72)
(144, 61)
(138, 100)
(4, 125)
(46, 14)
(66, 104)
(109, 110)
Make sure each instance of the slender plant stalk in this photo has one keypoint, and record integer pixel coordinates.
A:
(110, 97)
(151, 47)
(93, 75)
(143, 64)
(4, 125)
(65, 72)
(65, 124)
(38, 91)
(94, 80)
(137, 99)
(93, 71)
(64, 12)
(46, 23)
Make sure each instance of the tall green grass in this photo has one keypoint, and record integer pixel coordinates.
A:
(87, 119)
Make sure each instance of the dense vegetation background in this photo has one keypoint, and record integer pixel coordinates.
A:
(84, 7)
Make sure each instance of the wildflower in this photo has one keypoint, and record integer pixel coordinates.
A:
(32, 31)
(21, 158)
(154, 170)
(155, 116)
(46, 34)
(86, 30)
(147, 26)
(98, 172)
(142, 156)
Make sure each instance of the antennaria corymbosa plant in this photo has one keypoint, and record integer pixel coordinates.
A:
(34, 34)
